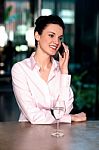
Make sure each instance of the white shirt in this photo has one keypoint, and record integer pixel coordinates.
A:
(35, 97)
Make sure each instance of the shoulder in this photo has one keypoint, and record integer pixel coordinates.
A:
(19, 66)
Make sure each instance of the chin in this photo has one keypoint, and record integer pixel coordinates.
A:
(53, 53)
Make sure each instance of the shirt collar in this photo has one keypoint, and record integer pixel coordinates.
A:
(33, 62)
(55, 64)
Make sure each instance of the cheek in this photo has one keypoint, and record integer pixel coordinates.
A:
(43, 43)
(44, 40)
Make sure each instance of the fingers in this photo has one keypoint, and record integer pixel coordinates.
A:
(79, 117)
(65, 47)
(66, 50)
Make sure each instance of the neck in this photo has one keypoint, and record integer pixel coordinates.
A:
(44, 61)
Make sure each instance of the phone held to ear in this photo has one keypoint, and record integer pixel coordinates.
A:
(61, 50)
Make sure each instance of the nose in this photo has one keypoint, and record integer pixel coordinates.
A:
(56, 40)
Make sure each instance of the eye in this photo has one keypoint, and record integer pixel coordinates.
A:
(61, 39)
(51, 35)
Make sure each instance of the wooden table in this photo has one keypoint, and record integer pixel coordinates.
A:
(24, 136)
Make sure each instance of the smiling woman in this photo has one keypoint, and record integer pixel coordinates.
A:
(40, 81)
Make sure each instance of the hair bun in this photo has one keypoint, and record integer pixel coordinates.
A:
(40, 20)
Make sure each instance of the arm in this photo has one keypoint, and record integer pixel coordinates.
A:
(63, 61)
(66, 92)
(26, 101)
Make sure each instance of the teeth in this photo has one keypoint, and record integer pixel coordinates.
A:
(53, 46)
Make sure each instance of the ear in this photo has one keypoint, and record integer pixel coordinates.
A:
(37, 36)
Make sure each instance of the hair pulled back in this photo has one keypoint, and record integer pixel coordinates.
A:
(42, 22)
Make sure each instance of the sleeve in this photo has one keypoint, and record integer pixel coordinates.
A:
(66, 94)
(25, 99)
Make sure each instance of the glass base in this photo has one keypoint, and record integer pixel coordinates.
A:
(58, 133)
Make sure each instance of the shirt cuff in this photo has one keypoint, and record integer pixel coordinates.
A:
(66, 118)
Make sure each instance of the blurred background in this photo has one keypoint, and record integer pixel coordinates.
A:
(81, 18)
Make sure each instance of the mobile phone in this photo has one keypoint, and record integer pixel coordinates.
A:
(61, 50)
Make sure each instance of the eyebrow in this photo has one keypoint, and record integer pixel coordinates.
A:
(54, 33)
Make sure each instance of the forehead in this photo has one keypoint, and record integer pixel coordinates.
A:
(55, 28)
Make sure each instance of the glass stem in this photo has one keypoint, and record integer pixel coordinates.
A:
(57, 123)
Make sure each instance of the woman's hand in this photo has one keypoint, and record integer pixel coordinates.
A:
(78, 117)
(63, 61)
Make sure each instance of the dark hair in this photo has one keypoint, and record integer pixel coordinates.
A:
(42, 22)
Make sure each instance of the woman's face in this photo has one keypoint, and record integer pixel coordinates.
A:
(50, 39)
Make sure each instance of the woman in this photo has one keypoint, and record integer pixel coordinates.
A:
(40, 81)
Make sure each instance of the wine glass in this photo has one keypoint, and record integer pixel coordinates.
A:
(58, 112)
